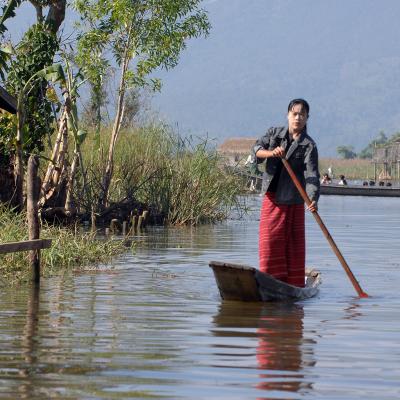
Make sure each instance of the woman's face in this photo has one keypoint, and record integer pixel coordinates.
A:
(297, 118)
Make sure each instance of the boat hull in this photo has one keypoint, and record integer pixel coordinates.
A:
(378, 191)
(244, 283)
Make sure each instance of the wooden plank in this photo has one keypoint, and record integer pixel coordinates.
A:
(13, 247)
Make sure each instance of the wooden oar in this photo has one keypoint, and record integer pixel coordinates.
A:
(335, 249)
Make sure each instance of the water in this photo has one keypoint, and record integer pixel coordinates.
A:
(153, 325)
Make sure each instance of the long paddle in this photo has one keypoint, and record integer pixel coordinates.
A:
(328, 236)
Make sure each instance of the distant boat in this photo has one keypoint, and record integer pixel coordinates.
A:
(243, 283)
(358, 190)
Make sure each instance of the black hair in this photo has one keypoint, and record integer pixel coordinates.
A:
(304, 104)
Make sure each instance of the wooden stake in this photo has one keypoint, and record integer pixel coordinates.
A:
(32, 214)
(145, 217)
(139, 224)
(124, 228)
(93, 218)
(114, 226)
(133, 223)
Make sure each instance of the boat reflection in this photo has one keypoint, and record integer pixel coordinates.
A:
(281, 353)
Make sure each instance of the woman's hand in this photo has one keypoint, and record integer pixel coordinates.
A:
(313, 207)
(278, 152)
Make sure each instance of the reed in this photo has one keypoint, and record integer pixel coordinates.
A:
(181, 179)
(71, 249)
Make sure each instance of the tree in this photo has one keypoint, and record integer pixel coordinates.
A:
(346, 152)
(141, 35)
(368, 151)
(35, 52)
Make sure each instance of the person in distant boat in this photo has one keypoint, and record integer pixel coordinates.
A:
(282, 231)
(342, 180)
(325, 179)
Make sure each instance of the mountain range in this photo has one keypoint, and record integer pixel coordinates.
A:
(343, 56)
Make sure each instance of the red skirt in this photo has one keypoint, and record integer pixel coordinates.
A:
(282, 241)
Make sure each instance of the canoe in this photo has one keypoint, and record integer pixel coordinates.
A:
(379, 191)
(244, 283)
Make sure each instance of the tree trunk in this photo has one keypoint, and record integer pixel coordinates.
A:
(18, 198)
(103, 201)
(56, 14)
(70, 208)
(56, 167)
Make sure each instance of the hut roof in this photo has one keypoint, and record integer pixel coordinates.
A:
(237, 145)
(7, 102)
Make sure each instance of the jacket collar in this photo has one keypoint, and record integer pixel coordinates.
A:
(303, 140)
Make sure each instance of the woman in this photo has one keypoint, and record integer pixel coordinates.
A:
(282, 230)
(325, 179)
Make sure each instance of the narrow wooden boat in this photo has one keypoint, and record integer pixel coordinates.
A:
(244, 283)
(378, 191)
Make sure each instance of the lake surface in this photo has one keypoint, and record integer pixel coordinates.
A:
(153, 326)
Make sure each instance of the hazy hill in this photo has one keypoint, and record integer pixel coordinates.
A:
(343, 56)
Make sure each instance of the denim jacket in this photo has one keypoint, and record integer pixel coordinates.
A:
(303, 158)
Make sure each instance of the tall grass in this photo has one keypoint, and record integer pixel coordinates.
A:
(182, 180)
(69, 249)
(351, 169)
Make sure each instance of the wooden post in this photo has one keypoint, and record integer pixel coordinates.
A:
(133, 223)
(398, 169)
(145, 216)
(107, 232)
(93, 218)
(114, 226)
(140, 221)
(124, 228)
(32, 193)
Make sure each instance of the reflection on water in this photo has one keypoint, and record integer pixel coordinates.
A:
(29, 333)
(281, 351)
(154, 326)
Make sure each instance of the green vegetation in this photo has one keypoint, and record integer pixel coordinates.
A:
(70, 250)
(347, 152)
(181, 180)
(137, 37)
